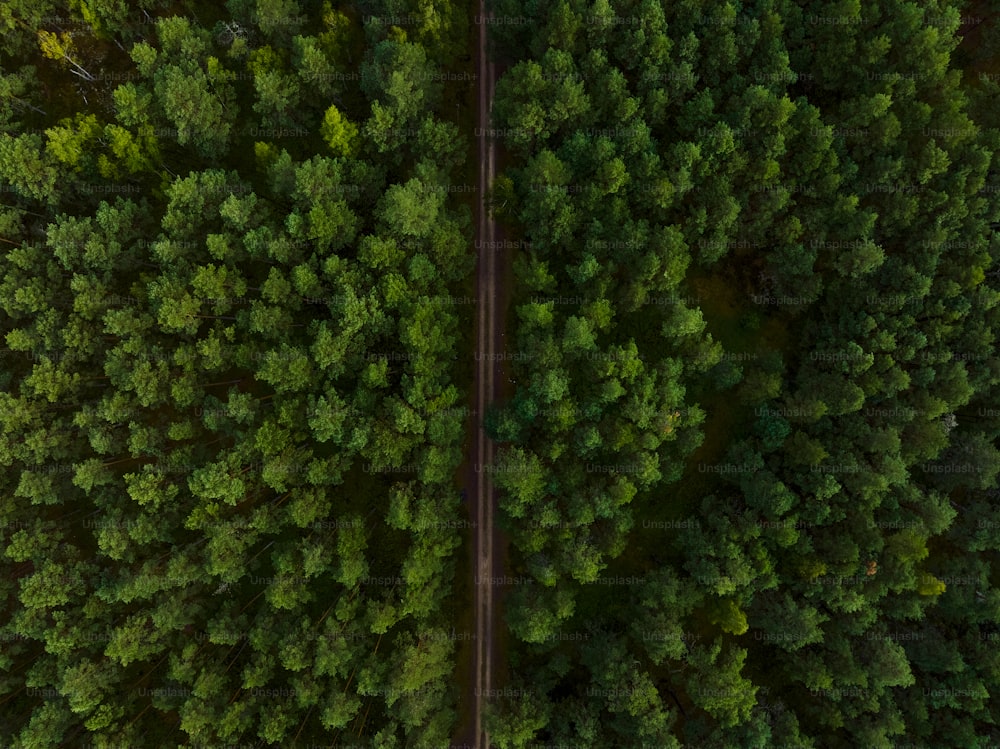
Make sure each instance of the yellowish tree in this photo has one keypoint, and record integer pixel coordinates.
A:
(339, 133)
(60, 47)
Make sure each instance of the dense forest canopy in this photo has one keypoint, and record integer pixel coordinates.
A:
(231, 413)
(748, 464)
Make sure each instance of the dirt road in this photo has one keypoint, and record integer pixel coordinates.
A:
(487, 387)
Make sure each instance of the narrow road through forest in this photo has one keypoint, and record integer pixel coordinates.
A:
(489, 346)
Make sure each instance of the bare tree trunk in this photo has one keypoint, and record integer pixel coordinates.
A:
(79, 69)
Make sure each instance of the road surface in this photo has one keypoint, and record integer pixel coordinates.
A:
(489, 346)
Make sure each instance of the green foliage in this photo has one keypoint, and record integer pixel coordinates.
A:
(847, 210)
(198, 418)
(339, 133)
(729, 617)
(24, 167)
(752, 375)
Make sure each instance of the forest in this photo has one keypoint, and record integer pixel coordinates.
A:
(748, 465)
(750, 473)
(231, 412)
